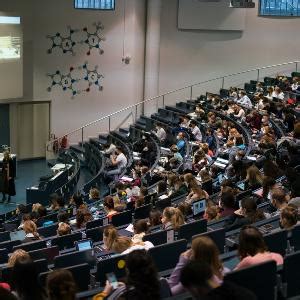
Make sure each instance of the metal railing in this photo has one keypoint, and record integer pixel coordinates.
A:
(104, 124)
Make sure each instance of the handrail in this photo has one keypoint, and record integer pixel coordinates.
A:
(174, 91)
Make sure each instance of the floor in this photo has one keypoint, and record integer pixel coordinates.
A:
(28, 174)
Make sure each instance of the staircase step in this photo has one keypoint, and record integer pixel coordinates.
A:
(77, 148)
(124, 130)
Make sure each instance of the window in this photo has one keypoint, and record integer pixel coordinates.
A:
(280, 8)
(95, 4)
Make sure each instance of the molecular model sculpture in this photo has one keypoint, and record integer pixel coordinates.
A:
(77, 80)
(77, 37)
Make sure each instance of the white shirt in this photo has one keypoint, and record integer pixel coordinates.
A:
(121, 160)
(161, 134)
(245, 101)
(146, 246)
(197, 133)
(278, 96)
(110, 149)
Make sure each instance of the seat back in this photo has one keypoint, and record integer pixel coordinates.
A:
(291, 274)
(218, 236)
(294, 240)
(277, 242)
(3, 256)
(95, 234)
(161, 204)
(157, 238)
(188, 230)
(75, 258)
(4, 236)
(66, 241)
(151, 198)
(48, 230)
(41, 265)
(48, 253)
(142, 212)
(31, 246)
(115, 264)
(261, 279)
(9, 245)
(122, 218)
(94, 223)
(166, 256)
(81, 275)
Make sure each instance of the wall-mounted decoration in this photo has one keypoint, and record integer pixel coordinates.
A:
(75, 37)
(95, 38)
(66, 44)
(77, 79)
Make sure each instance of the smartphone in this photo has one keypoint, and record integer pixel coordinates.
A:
(111, 277)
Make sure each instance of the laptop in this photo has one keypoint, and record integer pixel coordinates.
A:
(241, 185)
(18, 235)
(199, 207)
(84, 245)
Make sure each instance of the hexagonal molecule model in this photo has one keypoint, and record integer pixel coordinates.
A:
(65, 43)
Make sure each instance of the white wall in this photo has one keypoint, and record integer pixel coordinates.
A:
(122, 83)
(193, 56)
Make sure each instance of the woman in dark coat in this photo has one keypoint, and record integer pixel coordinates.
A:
(7, 186)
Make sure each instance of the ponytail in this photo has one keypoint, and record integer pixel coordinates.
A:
(177, 218)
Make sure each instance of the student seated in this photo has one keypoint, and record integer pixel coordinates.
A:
(31, 233)
(172, 218)
(198, 279)
(289, 217)
(247, 214)
(203, 250)
(124, 245)
(109, 207)
(61, 285)
(140, 228)
(63, 229)
(253, 250)
(141, 282)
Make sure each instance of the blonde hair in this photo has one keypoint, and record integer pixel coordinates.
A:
(63, 229)
(30, 227)
(175, 216)
(110, 233)
(19, 254)
(94, 193)
(36, 206)
(121, 243)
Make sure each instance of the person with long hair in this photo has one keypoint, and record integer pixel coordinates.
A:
(25, 280)
(31, 233)
(247, 214)
(110, 233)
(61, 285)
(125, 245)
(203, 250)
(254, 177)
(196, 194)
(198, 279)
(142, 280)
(172, 218)
(253, 250)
